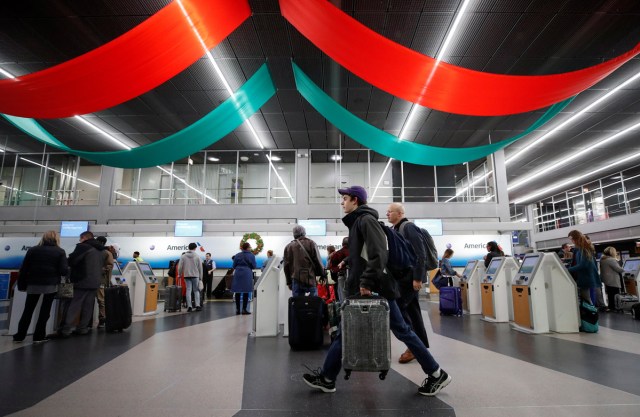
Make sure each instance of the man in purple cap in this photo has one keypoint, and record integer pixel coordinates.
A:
(367, 275)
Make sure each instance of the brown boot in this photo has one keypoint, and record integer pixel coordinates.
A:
(406, 357)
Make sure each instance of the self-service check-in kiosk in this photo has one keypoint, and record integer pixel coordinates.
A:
(495, 290)
(116, 275)
(544, 296)
(145, 285)
(631, 275)
(470, 287)
(265, 317)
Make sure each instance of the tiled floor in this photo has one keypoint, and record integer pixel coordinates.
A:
(206, 364)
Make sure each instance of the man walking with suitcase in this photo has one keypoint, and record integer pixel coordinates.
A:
(410, 281)
(302, 263)
(368, 254)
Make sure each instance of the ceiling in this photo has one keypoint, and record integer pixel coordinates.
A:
(501, 36)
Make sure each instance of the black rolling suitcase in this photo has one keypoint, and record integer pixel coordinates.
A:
(117, 306)
(366, 338)
(173, 298)
(305, 322)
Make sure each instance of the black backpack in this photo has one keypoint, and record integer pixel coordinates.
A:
(401, 254)
(172, 268)
(431, 261)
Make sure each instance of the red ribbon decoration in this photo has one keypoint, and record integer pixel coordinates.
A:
(407, 74)
(128, 66)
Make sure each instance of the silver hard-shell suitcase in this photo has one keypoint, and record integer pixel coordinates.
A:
(366, 339)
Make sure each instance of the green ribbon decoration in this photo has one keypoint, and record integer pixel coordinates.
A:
(211, 128)
(393, 147)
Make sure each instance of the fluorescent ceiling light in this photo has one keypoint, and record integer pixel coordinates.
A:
(273, 158)
(570, 157)
(244, 158)
(7, 74)
(97, 129)
(216, 68)
(582, 176)
(213, 159)
(336, 157)
(544, 137)
(441, 52)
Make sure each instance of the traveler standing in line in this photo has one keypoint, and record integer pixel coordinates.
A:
(265, 264)
(106, 280)
(137, 257)
(339, 259)
(445, 264)
(40, 273)
(86, 263)
(243, 265)
(494, 251)
(365, 277)
(302, 263)
(190, 266)
(410, 280)
(584, 271)
(610, 271)
(596, 293)
(209, 266)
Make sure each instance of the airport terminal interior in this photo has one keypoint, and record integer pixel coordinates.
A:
(161, 123)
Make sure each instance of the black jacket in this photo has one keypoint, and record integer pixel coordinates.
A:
(43, 265)
(86, 262)
(368, 253)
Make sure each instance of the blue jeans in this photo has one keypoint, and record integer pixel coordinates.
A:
(298, 289)
(401, 330)
(192, 285)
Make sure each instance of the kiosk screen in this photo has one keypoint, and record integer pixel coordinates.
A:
(145, 268)
(468, 269)
(493, 266)
(631, 265)
(116, 269)
(528, 264)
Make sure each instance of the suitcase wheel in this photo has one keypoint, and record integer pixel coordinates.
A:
(347, 373)
(383, 375)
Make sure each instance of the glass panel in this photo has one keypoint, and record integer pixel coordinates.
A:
(613, 196)
(482, 185)
(252, 181)
(419, 182)
(330, 170)
(385, 181)
(631, 179)
(545, 215)
(561, 209)
(452, 183)
(6, 178)
(577, 207)
(282, 177)
(27, 182)
(127, 190)
(218, 178)
(594, 202)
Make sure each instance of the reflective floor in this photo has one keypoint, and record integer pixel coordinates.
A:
(206, 364)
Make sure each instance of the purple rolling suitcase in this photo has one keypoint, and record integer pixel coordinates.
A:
(451, 301)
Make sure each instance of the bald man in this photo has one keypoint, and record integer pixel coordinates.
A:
(410, 280)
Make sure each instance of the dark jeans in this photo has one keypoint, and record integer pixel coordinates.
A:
(27, 314)
(245, 300)
(401, 330)
(82, 306)
(611, 296)
(208, 283)
(409, 305)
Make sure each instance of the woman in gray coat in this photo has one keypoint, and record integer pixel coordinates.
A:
(610, 272)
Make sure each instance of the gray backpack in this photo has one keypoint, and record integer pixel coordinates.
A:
(431, 261)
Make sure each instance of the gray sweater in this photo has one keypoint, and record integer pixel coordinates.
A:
(610, 271)
(190, 265)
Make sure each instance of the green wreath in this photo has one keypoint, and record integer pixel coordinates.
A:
(257, 238)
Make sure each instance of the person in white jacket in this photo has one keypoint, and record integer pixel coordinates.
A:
(190, 267)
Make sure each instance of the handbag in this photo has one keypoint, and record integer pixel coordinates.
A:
(200, 285)
(439, 280)
(65, 290)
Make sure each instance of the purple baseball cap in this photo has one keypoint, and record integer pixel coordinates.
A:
(355, 191)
